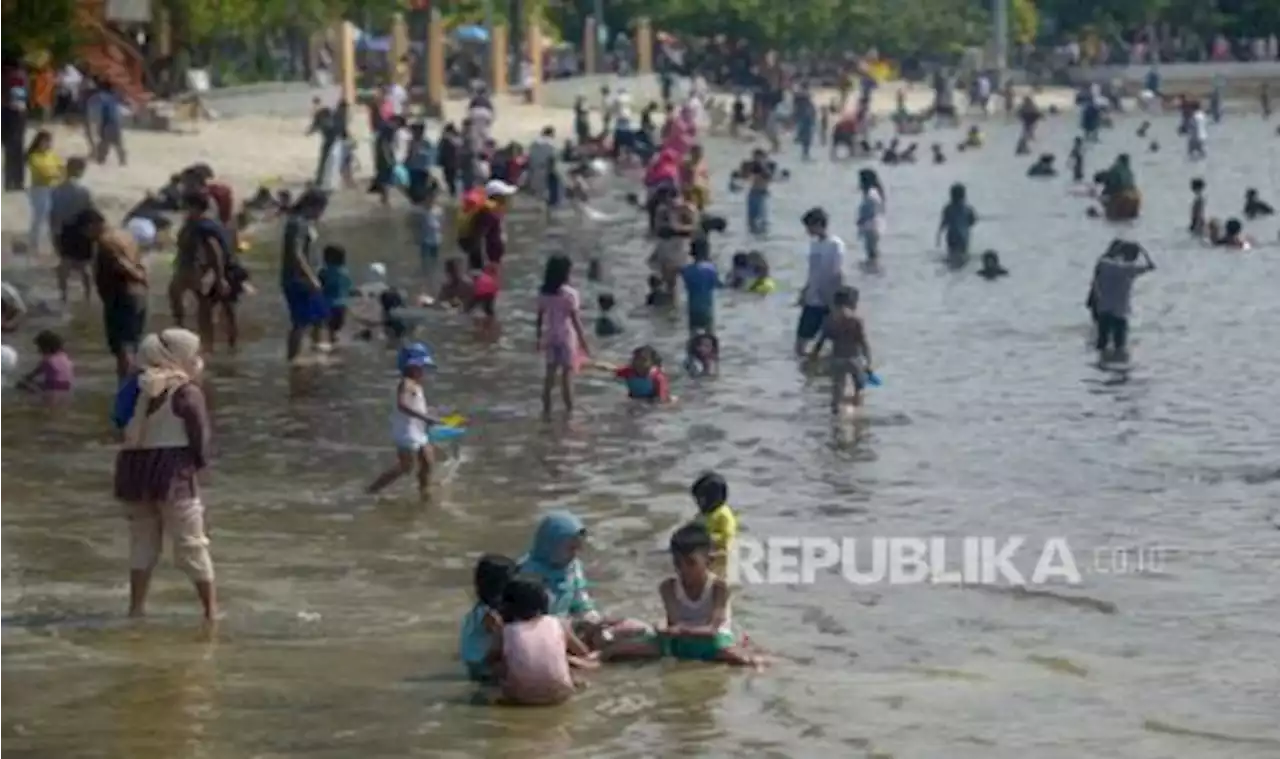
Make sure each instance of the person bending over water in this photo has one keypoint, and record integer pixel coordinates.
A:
(850, 351)
(958, 220)
(991, 268)
(1255, 207)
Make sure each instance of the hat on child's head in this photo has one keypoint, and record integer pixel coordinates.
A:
(415, 354)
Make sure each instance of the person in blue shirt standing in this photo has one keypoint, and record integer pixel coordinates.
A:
(110, 120)
(701, 280)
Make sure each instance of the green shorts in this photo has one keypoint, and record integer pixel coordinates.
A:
(697, 649)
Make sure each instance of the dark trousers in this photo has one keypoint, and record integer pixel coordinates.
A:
(13, 126)
(326, 147)
(1113, 331)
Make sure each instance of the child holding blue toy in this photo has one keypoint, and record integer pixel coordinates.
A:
(411, 419)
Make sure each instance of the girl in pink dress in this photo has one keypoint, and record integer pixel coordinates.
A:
(561, 336)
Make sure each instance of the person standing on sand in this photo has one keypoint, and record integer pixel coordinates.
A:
(121, 279)
(165, 446)
(14, 132)
(110, 120)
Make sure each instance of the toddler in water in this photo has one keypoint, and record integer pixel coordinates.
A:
(483, 623)
(535, 650)
(55, 371)
(711, 494)
(335, 282)
(702, 354)
(606, 325)
(410, 420)
(991, 268)
(699, 624)
(643, 376)
(559, 330)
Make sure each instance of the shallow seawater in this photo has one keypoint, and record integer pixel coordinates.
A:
(341, 612)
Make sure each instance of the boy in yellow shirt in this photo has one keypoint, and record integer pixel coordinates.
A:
(711, 493)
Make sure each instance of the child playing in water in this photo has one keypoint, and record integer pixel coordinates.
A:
(410, 420)
(643, 376)
(702, 354)
(559, 314)
(428, 221)
(659, 295)
(456, 289)
(336, 284)
(711, 494)
(958, 220)
(991, 268)
(759, 282)
(55, 371)
(1197, 226)
(535, 650)
(1254, 206)
(701, 280)
(484, 622)
(850, 351)
(606, 324)
(973, 139)
(740, 271)
(1077, 160)
(699, 622)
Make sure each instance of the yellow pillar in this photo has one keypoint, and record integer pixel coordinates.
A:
(589, 45)
(399, 48)
(346, 59)
(435, 65)
(644, 46)
(533, 41)
(498, 75)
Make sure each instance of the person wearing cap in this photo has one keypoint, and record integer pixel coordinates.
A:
(411, 420)
(485, 239)
(825, 277)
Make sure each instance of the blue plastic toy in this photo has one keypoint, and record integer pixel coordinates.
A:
(400, 176)
(443, 434)
(873, 379)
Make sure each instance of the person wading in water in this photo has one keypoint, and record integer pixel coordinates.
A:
(202, 269)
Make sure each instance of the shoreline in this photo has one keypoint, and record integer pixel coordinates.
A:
(260, 139)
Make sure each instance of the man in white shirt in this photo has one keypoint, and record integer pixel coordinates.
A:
(542, 154)
(825, 276)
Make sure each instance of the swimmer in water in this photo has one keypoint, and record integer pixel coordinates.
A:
(974, 138)
(702, 354)
(1043, 167)
(643, 375)
(991, 268)
(850, 350)
(1234, 237)
(740, 272)
(1197, 226)
(1254, 206)
(759, 282)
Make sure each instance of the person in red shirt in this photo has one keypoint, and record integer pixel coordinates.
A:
(644, 377)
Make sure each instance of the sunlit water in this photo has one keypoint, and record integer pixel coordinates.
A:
(341, 612)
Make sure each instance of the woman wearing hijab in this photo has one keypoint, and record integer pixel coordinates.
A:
(553, 561)
(165, 423)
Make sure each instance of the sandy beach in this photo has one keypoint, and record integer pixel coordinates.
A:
(260, 139)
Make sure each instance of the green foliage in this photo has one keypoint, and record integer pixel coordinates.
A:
(40, 25)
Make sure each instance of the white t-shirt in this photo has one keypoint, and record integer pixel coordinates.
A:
(1199, 126)
(398, 97)
(826, 271)
(143, 231)
(620, 109)
(541, 153)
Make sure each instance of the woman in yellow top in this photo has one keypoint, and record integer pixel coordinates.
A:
(46, 172)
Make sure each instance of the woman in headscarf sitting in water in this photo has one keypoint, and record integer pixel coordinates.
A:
(553, 559)
(1121, 199)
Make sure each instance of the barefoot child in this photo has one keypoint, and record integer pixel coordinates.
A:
(560, 332)
(850, 353)
(410, 420)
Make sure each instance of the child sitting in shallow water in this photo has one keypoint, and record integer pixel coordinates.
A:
(702, 354)
(54, 372)
(484, 622)
(532, 655)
